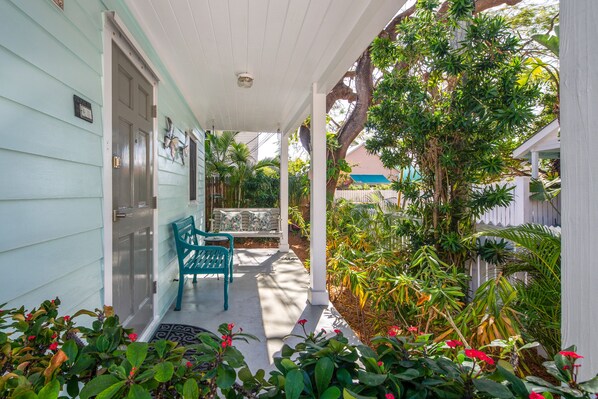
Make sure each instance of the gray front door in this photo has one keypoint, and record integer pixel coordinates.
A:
(132, 227)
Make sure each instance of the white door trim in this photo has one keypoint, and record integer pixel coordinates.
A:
(116, 32)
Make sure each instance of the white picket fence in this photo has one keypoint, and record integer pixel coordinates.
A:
(361, 196)
(523, 209)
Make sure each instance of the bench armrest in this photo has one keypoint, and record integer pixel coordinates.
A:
(205, 234)
(185, 245)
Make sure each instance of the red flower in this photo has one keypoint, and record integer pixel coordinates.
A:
(53, 346)
(570, 355)
(67, 318)
(337, 331)
(230, 326)
(189, 365)
(412, 329)
(380, 364)
(393, 331)
(31, 337)
(29, 316)
(479, 355)
(132, 372)
(535, 395)
(565, 367)
(390, 396)
(52, 301)
(227, 341)
(133, 337)
(323, 331)
(454, 343)
(55, 335)
(302, 322)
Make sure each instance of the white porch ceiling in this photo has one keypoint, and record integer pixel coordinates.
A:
(285, 44)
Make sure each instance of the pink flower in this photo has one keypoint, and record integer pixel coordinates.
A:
(67, 318)
(412, 329)
(535, 395)
(393, 331)
(31, 337)
(337, 331)
(380, 364)
(230, 326)
(570, 355)
(479, 355)
(133, 337)
(454, 343)
(390, 396)
(302, 322)
(53, 346)
(189, 365)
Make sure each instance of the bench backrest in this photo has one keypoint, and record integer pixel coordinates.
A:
(274, 217)
(184, 230)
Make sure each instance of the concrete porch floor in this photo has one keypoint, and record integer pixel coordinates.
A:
(267, 298)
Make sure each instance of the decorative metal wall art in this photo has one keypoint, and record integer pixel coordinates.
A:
(173, 143)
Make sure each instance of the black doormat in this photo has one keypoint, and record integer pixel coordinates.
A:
(181, 333)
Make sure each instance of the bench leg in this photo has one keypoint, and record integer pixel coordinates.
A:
(195, 279)
(179, 297)
(225, 292)
(231, 269)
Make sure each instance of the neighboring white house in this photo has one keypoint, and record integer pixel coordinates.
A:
(545, 144)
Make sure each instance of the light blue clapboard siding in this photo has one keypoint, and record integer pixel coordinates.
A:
(24, 129)
(51, 223)
(38, 177)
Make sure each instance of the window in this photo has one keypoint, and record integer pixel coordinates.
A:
(192, 170)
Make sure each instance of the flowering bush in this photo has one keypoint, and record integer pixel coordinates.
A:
(44, 355)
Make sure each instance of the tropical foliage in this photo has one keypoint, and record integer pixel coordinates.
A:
(47, 356)
(453, 111)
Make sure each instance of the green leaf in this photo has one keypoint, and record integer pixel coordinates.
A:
(408, 375)
(190, 389)
(371, 379)
(344, 377)
(109, 392)
(72, 386)
(288, 364)
(517, 385)
(70, 349)
(160, 347)
(97, 385)
(492, 388)
(331, 393)
(590, 386)
(50, 391)
(26, 395)
(164, 371)
(293, 384)
(347, 394)
(136, 353)
(138, 392)
(323, 373)
(225, 376)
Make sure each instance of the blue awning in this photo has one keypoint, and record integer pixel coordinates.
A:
(370, 179)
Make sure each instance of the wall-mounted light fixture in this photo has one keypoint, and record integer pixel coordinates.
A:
(244, 80)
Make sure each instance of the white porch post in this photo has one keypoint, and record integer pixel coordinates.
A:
(317, 291)
(284, 192)
(535, 164)
(579, 145)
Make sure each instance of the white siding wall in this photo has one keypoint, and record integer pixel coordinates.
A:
(579, 149)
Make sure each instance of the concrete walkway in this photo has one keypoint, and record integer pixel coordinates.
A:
(267, 298)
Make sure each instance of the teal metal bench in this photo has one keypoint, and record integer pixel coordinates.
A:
(197, 259)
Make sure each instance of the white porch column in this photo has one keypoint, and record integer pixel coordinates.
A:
(317, 291)
(284, 192)
(535, 164)
(579, 146)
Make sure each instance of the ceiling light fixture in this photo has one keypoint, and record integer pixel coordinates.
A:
(244, 80)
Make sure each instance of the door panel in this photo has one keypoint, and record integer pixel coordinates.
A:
(132, 180)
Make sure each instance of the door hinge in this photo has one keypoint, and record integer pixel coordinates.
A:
(154, 111)
(154, 202)
(116, 162)
(155, 287)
